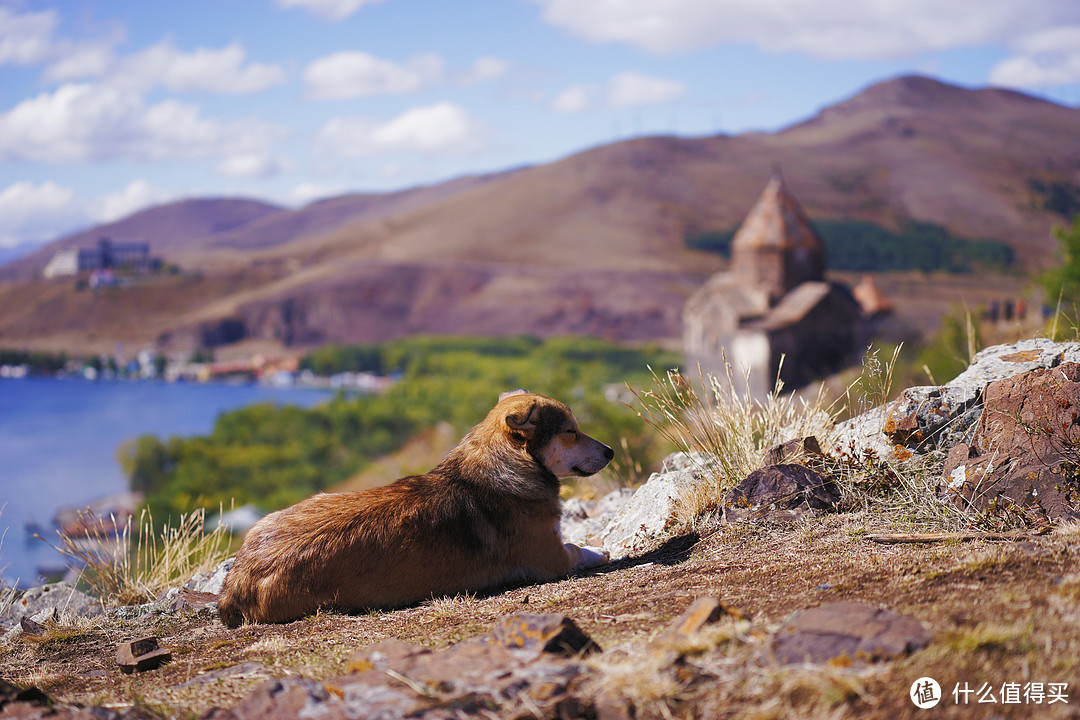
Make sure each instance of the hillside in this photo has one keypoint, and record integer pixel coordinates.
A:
(569, 247)
(836, 589)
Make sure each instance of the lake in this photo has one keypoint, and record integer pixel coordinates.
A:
(58, 442)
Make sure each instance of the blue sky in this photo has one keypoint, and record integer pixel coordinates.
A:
(110, 106)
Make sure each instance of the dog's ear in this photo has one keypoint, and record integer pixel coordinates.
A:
(525, 422)
(512, 393)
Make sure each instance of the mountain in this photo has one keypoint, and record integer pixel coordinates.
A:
(593, 243)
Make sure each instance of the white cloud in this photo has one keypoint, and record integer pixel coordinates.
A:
(220, 71)
(574, 99)
(1043, 59)
(136, 196)
(85, 122)
(630, 88)
(328, 9)
(432, 129)
(353, 74)
(249, 165)
(26, 39)
(309, 192)
(81, 63)
(626, 89)
(32, 212)
(822, 28)
(483, 69)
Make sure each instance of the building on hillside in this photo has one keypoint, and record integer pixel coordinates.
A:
(106, 255)
(774, 304)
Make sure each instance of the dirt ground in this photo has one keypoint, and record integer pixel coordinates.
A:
(1000, 612)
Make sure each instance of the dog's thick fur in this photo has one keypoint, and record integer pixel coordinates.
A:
(487, 514)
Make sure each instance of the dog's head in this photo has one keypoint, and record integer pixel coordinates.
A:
(550, 434)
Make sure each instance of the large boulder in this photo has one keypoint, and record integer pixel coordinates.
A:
(1025, 452)
(938, 417)
(60, 597)
(650, 515)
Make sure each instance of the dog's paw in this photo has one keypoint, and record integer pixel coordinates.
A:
(586, 557)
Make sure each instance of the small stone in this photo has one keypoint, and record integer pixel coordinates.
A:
(13, 694)
(190, 600)
(847, 632)
(780, 492)
(140, 655)
(792, 450)
(383, 655)
(31, 628)
(547, 633)
(703, 611)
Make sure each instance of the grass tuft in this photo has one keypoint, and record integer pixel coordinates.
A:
(724, 429)
(137, 566)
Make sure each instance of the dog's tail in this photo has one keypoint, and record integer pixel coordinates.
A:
(235, 596)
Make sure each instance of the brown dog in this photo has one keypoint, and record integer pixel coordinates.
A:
(486, 515)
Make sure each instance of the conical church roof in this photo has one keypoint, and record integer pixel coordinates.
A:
(777, 222)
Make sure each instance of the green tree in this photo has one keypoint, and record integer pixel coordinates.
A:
(1063, 281)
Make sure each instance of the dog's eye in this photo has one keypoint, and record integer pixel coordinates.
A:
(571, 431)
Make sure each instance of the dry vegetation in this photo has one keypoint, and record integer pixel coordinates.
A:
(999, 612)
(137, 566)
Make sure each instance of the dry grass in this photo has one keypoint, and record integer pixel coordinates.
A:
(136, 566)
(727, 431)
(7, 594)
(724, 429)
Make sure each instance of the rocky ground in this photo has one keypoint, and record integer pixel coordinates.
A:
(803, 603)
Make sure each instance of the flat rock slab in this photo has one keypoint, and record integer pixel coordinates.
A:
(780, 492)
(846, 633)
(526, 663)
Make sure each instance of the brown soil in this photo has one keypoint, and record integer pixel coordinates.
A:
(999, 612)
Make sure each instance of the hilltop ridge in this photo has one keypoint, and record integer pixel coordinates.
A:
(565, 247)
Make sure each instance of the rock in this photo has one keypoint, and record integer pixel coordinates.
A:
(11, 694)
(31, 627)
(191, 601)
(547, 633)
(523, 667)
(861, 435)
(702, 612)
(290, 697)
(1003, 361)
(59, 596)
(141, 655)
(843, 633)
(243, 670)
(924, 418)
(1025, 450)
(780, 492)
(695, 462)
(791, 451)
(583, 521)
(212, 581)
(650, 514)
(922, 414)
